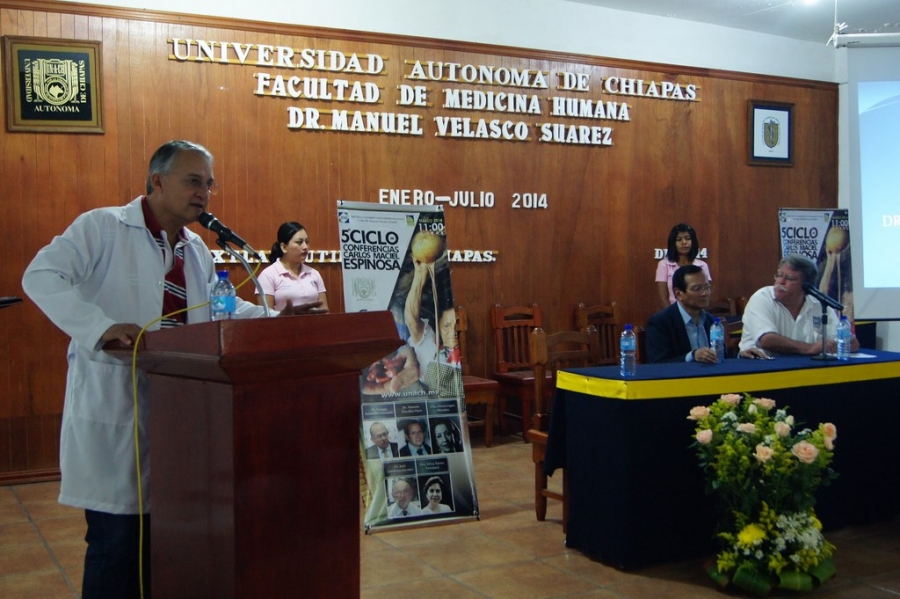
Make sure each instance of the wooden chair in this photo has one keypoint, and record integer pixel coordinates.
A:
(723, 308)
(568, 349)
(608, 322)
(478, 391)
(512, 326)
(640, 344)
(733, 330)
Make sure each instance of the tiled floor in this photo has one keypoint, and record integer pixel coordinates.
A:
(507, 554)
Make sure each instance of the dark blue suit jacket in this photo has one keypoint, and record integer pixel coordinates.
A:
(404, 451)
(667, 338)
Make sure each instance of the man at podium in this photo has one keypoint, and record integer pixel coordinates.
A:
(112, 271)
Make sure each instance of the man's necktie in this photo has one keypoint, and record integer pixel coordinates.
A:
(405, 513)
(421, 452)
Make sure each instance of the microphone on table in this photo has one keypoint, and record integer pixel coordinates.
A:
(828, 301)
(225, 234)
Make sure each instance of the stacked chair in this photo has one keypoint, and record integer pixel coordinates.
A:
(608, 322)
(512, 327)
(567, 349)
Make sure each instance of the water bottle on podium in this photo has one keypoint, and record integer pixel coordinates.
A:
(843, 339)
(627, 349)
(222, 298)
(717, 339)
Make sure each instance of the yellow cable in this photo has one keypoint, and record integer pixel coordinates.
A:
(137, 448)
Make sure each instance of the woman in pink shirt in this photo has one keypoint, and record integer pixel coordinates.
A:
(682, 250)
(289, 277)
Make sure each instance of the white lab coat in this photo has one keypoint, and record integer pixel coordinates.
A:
(106, 269)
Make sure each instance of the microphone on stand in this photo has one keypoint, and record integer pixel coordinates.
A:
(829, 301)
(225, 234)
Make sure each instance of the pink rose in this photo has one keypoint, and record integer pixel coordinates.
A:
(731, 398)
(782, 429)
(805, 452)
(763, 453)
(765, 403)
(698, 412)
(704, 436)
(829, 430)
(747, 427)
(829, 443)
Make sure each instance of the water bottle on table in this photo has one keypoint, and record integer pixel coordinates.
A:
(627, 349)
(222, 298)
(843, 339)
(717, 339)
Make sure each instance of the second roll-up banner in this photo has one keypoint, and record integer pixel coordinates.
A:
(823, 236)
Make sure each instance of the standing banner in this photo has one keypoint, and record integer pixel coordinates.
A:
(414, 438)
(823, 236)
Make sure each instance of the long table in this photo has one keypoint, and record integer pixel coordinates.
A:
(635, 490)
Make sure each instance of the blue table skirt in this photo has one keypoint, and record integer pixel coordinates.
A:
(635, 489)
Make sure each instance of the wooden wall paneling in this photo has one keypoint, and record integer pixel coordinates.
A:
(52, 425)
(608, 206)
(124, 105)
(11, 21)
(18, 441)
(118, 103)
(736, 213)
(12, 207)
(6, 445)
(31, 431)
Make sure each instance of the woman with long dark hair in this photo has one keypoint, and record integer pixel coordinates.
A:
(289, 277)
(682, 250)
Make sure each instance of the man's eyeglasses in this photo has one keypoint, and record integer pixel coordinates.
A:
(197, 184)
(700, 288)
(781, 275)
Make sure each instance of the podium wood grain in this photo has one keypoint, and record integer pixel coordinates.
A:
(254, 428)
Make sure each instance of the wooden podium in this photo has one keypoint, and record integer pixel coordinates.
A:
(254, 432)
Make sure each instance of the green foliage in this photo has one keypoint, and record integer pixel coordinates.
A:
(765, 473)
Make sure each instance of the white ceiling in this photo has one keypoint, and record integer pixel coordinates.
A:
(811, 20)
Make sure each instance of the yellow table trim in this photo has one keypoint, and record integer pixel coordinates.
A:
(716, 385)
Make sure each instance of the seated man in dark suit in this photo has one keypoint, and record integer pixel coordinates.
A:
(680, 333)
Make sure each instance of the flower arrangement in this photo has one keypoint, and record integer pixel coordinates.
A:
(765, 473)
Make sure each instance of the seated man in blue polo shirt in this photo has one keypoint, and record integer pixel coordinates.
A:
(680, 333)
